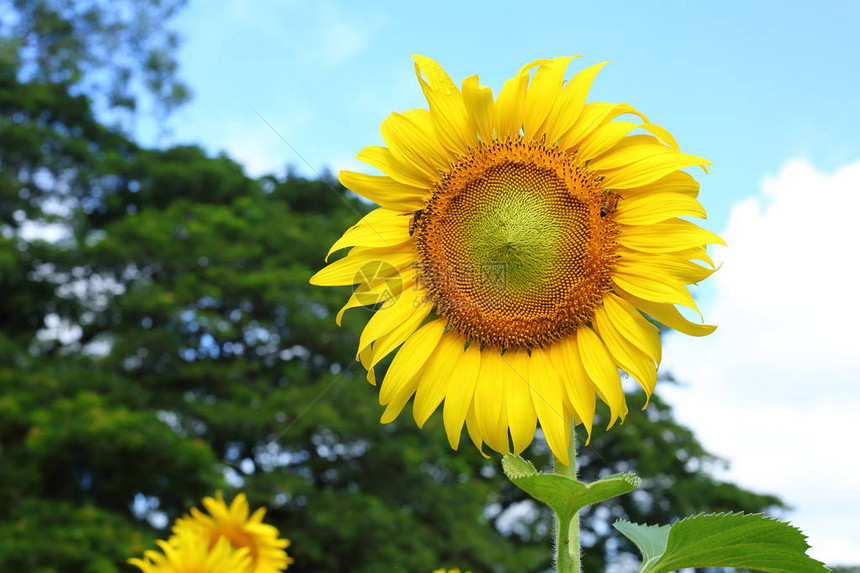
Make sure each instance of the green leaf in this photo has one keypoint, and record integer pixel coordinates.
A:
(565, 495)
(649, 539)
(722, 540)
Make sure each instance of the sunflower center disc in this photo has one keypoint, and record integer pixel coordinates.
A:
(513, 250)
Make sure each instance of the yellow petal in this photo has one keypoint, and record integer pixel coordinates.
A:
(667, 237)
(446, 104)
(240, 507)
(362, 262)
(663, 134)
(628, 357)
(461, 390)
(546, 391)
(698, 253)
(490, 400)
(479, 105)
(601, 369)
(398, 401)
(669, 315)
(257, 519)
(474, 432)
(410, 175)
(411, 140)
(626, 150)
(542, 94)
(675, 182)
(522, 417)
(649, 169)
(637, 329)
(602, 139)
(380, 290)
(406, 313)
(681, 270)
(367, 298)
(508, 109)
(577, 384)
(391, 340)
(570, 103)
(657, 207)
(379, 228)
(410, 359)
(435, 376)
(380, 215)
(364, 358)
(593, 116)
(384, 190)
(651, 285)
(503, 420)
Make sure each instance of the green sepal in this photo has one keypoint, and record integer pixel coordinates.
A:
(722, 540)
(565, 495)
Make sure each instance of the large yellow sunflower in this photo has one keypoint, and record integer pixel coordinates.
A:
(241, 529)
(528, 234)
(187, 552)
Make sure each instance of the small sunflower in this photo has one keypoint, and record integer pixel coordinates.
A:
(186, 552)
(243, 531)
(449, 571)
(519, 244)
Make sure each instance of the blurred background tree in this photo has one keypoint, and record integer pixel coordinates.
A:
(160, 340)
(121, 53)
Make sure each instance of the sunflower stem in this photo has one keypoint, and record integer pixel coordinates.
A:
(568, 554)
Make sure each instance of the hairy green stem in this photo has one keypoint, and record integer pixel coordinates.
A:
(568, 558)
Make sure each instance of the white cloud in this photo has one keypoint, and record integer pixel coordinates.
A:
(775, 388)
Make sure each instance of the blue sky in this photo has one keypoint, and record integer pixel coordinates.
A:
(767, 91)
(745, 86)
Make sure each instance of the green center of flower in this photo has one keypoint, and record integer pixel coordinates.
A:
(515, 227)
(512, 246)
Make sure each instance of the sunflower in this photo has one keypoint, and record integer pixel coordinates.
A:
(241, 530)
(186, 552)
(449, 571)
(519, 245)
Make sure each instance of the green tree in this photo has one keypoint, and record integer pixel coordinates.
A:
(111, 49)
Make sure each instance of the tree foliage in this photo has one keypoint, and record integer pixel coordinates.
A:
(160, 340)
(113, 50)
